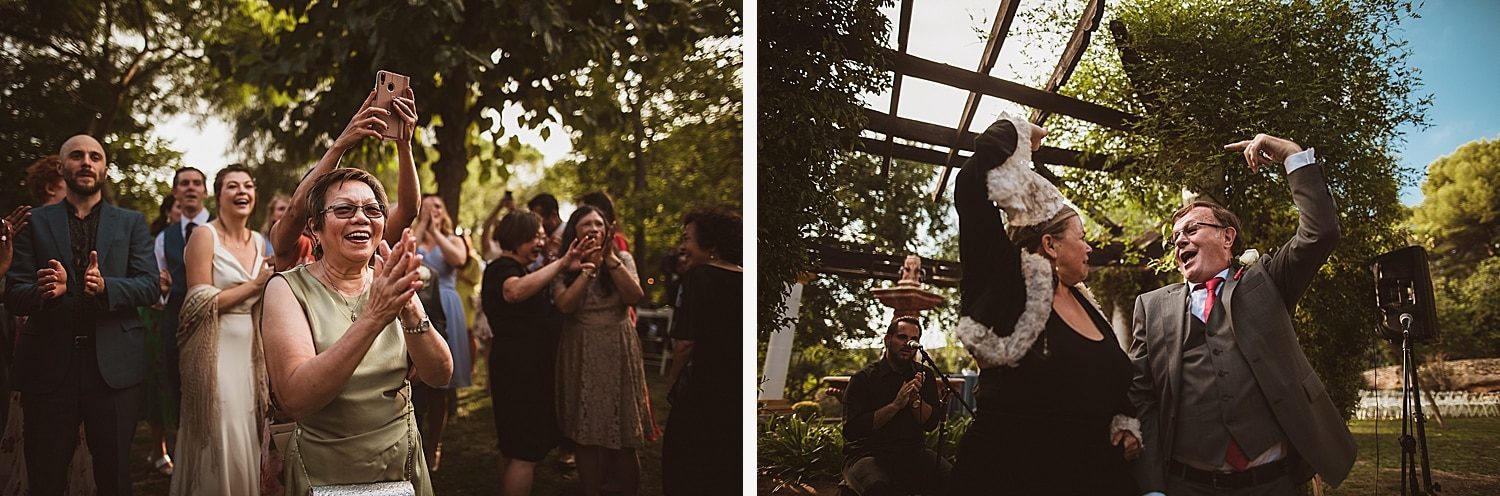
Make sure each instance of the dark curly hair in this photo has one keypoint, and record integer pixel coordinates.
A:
(719, 228)
(41, 174)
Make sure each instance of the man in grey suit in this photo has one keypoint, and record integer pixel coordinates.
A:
(80, 270)
(1228, 401)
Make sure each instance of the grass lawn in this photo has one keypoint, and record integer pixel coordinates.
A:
(1464, 455)
(468, 465)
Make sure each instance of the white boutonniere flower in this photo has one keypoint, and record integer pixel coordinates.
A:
(1249, 257)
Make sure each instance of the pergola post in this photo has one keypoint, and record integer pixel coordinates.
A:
(779, 350)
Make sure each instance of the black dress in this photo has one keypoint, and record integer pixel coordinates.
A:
(522, 361)
(701, 446)
(1042, 427)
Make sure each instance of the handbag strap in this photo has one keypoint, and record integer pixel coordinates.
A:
(410, 467)
(410, 444)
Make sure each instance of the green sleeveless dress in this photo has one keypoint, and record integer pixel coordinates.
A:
(368, 433)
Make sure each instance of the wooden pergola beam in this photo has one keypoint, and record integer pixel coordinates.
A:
(1016, 92)
(923, 132)
(902, 35)
(1093, 13)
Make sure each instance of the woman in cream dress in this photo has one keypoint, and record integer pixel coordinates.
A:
(223, 375)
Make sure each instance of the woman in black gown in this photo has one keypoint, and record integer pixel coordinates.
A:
(518, 303)
(701, 447)
(1053, 416)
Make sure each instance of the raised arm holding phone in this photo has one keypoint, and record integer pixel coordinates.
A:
(371, 121)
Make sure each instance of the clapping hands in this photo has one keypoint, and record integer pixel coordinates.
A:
(93, 280)
(911, 391)
(396, 280)
(52, 280)
(581, 253)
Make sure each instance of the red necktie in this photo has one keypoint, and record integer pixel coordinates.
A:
(1233, 455)
(1213, 296)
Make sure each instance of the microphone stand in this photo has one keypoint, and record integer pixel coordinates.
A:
(942, 424)
(1412, 420)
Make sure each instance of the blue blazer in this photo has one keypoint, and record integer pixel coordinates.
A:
(44, 348)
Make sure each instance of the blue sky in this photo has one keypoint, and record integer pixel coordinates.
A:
(1457, 48)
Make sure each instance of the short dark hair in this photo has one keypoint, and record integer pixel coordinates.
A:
(317, 197)
(719, 228)
(224, 173)
(516, 228)
(1221, 215)
(544, 201)
(183, 169)
(910, 319)
(601, 201)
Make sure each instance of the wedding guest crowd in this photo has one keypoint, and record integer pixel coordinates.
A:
(326, 347)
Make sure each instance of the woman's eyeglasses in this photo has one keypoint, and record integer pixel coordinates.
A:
(346, 210)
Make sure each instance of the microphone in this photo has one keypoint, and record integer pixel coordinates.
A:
(914, 344)
(1406, 321)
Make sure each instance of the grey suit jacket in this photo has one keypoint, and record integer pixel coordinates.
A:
(1258, 305)
(44, 348)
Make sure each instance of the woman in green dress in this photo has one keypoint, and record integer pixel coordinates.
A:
(339, 335)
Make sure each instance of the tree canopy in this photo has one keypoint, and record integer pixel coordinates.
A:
(112, 70)
(298, 73)
(1459, 218)
(816, 57)
(1459, 222)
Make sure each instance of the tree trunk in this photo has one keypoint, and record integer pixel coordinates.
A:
(452, 166)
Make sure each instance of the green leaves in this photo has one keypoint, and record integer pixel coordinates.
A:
(817, 57)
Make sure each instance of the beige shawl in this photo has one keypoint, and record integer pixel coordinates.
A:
(198, 347)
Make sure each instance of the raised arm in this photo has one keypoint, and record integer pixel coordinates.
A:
(1295, 265)
(285, 232)
(991, 262)
(622, 272)
(408, 190)
(516, 289)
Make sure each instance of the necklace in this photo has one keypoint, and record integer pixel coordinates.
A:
(225, 229)
(353, 315)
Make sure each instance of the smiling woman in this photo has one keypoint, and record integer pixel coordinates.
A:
(223, 373)
(339, 335)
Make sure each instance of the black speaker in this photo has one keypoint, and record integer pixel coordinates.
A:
(1403, 287)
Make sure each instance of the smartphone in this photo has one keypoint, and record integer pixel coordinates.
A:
(388, 86)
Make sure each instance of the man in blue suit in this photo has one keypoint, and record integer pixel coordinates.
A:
(80, 269)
